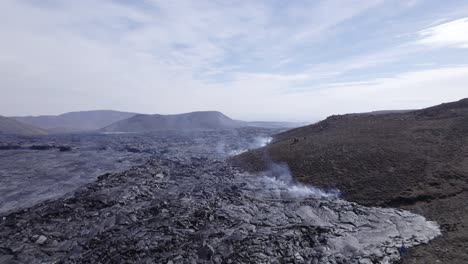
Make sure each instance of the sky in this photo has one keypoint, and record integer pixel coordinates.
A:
(252, 60)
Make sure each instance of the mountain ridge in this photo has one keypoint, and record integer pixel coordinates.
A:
(11, 126)
(78, 121)
(185, 121)
(109, 121)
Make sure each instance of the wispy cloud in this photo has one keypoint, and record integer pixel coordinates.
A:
(452, 34)
(271, 57)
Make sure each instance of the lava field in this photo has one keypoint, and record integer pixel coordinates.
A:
(176, 200)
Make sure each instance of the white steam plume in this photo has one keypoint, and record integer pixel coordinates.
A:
(279, 176)
(257, 142)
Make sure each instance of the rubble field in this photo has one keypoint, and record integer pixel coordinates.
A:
(187, 205)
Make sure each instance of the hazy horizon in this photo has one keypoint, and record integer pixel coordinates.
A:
(254, 60)
(249, 120)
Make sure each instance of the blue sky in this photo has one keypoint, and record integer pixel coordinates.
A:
(253, 60)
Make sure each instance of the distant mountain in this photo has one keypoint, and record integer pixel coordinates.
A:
(11, 126)
(188, 121)
(115, 121)
(76, 121)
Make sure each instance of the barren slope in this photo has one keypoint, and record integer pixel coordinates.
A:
(10, 126)
(416, 160)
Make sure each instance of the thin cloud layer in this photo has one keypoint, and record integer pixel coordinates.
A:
(450, 34)
(253, 60)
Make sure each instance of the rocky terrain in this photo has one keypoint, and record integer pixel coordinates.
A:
(11, 126)
(34, 173)
(75, 121)
(34, 169)
(183, 204)
(197, 210)
(414, 160)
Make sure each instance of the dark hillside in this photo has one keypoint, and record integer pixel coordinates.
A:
(414, 160)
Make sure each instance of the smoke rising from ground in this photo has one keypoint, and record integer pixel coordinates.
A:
(279, 176)
(257, 142)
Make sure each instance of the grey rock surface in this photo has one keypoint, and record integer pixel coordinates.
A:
(35, 169)
(199, 210)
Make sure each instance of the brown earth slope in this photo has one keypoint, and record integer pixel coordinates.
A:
(416, 161)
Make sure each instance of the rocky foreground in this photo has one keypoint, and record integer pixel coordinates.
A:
(202, 211)
(35, 169)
